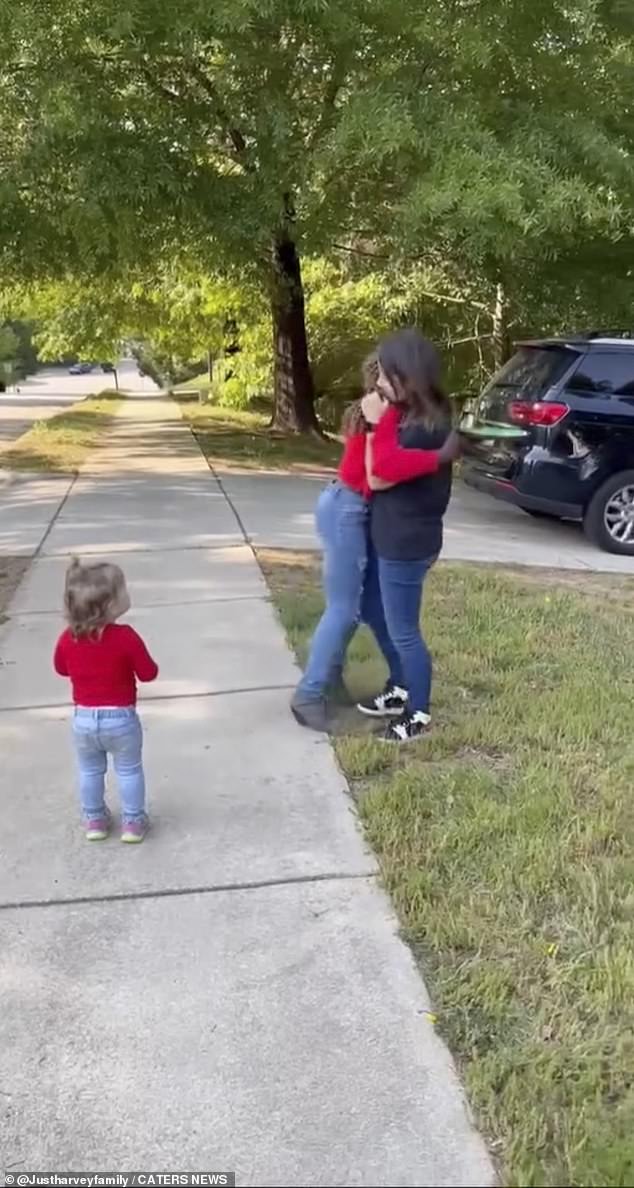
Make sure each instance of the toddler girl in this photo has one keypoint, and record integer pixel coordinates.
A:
(104, 661)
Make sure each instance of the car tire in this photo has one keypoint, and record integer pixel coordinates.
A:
(595, 524)
(541, 515)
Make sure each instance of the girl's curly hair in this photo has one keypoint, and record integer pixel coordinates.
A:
(91, 595)
(353, 418)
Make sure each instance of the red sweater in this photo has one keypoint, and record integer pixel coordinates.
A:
(104, 669)
(396, 463)
(390, 461)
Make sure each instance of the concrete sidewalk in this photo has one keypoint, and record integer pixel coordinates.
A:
(233, 994)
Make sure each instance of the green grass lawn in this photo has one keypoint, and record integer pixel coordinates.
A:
(62, 443)
(506, 841)
(233, 438)
(199, 383)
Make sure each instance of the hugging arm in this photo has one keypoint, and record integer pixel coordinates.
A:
(391, 463)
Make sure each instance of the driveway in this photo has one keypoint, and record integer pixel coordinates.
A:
(50, 390)
(277, 512)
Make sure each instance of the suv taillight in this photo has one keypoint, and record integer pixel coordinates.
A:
(538, 412)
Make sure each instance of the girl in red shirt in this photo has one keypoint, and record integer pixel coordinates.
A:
(350, 577)
(104, 660)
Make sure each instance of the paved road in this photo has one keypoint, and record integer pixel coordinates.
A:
(234, 993)
(277, 512)
(51, 389)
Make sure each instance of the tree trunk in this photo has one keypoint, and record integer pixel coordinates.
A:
(294, 409)
(210, 367)
(500, 338)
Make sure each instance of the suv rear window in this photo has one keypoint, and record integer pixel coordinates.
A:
(527, 376)
(609, 372)
(533, 370)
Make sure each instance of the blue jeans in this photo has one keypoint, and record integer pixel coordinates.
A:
(343, 523)
(99, 733)
(401, 585)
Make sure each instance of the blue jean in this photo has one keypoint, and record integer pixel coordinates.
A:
(343, 524)
(99, 733)
(401, 585)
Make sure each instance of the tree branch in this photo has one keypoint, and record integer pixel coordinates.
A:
(324, 122)
(235, 135)
(452, 342)
(159, 86)
(442, 297)
(148, 71)
(340, 247)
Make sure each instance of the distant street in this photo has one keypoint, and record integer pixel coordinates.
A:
(51, 389)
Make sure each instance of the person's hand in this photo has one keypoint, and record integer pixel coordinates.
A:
(450, 449)
(373, 406)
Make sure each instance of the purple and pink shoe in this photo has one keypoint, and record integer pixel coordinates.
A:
(134, 831)
(97, 828)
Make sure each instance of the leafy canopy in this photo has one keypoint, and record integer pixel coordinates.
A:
(481, 129)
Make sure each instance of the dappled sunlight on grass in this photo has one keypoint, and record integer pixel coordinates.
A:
(62, 443)
(240, 438)
(506, 842)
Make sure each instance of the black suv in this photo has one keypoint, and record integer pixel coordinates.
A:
(553, 432)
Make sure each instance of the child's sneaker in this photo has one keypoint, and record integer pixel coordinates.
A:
(388, 704)
(97, 828)
(135, 830)
(409, 728)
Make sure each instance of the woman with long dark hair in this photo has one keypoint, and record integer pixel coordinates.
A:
(406, 518)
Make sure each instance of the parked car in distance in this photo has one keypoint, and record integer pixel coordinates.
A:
(80, 368)
(553, 433)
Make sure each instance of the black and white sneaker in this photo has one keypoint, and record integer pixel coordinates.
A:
(388, 704)
(408, 728)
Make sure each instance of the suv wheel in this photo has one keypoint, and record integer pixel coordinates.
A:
(609, 518)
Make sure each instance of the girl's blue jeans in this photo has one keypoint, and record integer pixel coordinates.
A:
(351, 588)
(99, 733)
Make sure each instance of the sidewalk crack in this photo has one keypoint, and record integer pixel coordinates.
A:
(181, 892)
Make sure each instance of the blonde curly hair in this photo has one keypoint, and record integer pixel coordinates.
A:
(92, 596)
